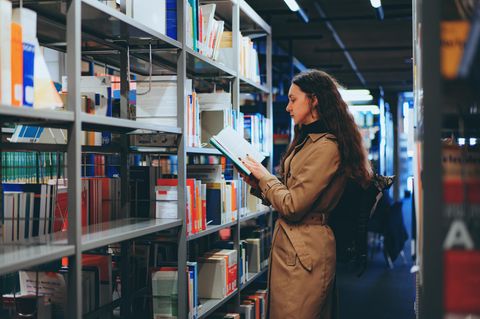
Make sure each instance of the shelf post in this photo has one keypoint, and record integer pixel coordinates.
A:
(431, 262)
(181, 159)
(236, 106)
(74, 295)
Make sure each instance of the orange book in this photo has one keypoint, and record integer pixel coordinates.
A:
(256, 300)
(17, 65)
(454, 35)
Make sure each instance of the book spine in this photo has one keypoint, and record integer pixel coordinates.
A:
(28, 20)
(172, 19)
(5, 52)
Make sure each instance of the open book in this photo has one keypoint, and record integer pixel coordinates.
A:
(232, 144)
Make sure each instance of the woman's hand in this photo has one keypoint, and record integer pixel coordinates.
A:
(257, 169)
(250, 180)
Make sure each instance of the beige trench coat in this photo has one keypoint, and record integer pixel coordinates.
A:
(302, 259)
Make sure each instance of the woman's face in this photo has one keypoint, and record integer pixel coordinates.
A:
(299, 106)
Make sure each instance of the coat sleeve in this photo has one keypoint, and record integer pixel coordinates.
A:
(258, 193)
(308, 184)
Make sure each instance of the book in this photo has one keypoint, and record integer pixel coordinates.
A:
(153, 17)
(17, 65)
(28, 20)
(5, 52)
(45, 94)
(454, 35)
(232, 144)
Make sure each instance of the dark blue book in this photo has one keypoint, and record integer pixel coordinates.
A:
(172, 19)
(214, 205)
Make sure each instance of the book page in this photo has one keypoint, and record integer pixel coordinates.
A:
(237, 145)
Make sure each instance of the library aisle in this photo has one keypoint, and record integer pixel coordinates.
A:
(122, 126)
(381, 292)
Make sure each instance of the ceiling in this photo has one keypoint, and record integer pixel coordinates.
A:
(380, 50)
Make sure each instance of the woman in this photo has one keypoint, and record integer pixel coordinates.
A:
(326, 150)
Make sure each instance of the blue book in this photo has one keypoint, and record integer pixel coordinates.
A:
(214, 205)
(89, 164)
(28, 70)
(193, 271)
(172, 19)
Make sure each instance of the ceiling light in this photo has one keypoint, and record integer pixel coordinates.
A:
(292, 5)
(374, 109)
(356, 95)
(376, 3)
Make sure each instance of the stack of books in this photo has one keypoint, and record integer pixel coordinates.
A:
(24, 77)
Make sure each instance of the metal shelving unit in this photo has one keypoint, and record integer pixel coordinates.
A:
(16, 256)
(102, 123)
(89, 30)
(103, 234)
(203, 150)
(443, 96)
(12, 114)
(210, 230)
(210, 305)
(252, 277)
(248, 86)
(254, 215)
(199, 65)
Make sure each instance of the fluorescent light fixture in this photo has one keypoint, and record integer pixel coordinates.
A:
(374, 109)
(376, 3)
(461, 141)
(473, 141)
(292, 5)
(356, 95)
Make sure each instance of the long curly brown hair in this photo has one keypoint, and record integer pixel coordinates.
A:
(336, 118)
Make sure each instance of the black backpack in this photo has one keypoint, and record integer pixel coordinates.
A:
(349, 220)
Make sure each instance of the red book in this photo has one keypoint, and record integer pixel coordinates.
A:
(462, 281)
(167, 182)
(60, 222)
(192, 209)
(106, 200)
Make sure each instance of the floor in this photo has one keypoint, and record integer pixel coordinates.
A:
(380, 293)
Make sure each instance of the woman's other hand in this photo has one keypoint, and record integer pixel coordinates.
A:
(257, 169)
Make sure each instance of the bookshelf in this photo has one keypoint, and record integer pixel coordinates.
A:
(210, 305)
(252, 277)
(446, 158)
(91, 31)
